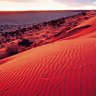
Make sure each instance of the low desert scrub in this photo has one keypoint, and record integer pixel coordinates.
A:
(12, 50)
(2, 53)
(25, 43)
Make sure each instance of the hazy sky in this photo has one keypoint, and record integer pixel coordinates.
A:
(46, 4)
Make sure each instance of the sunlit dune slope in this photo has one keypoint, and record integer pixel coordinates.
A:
(63, 68)
(85, 28)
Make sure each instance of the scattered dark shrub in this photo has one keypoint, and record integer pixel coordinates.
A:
(58, 34)
(68, 28)
(84, 13)
(12, 50)
(86, 26)
(23, 30)
(25, 42)
(36, 27)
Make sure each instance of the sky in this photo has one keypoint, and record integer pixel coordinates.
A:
(24, 5)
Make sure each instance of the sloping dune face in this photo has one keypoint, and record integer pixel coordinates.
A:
(85, 29)
(63, 68)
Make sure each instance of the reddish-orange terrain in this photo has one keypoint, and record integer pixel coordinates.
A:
(28, 36)
(66, 67)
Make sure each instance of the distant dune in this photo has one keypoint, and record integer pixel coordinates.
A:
(63, 68)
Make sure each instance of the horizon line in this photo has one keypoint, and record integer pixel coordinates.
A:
(46, 10)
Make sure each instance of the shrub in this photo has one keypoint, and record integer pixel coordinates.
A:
(12, 50)
(25, 43)
(2, 53)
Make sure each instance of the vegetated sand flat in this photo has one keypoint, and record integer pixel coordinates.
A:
(63, 68)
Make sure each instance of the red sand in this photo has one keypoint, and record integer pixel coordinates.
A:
(62, 68)
(79, 32)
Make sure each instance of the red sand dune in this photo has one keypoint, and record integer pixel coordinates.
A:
(85, 28)
(62, 68)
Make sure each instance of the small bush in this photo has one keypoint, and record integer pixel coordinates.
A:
(25, 43)
(2, 54)
(12, 50)
(86, 26)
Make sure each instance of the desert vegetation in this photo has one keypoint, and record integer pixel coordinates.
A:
(12, 50)
(18, 38)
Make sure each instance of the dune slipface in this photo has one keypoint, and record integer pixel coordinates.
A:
(63, 68)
